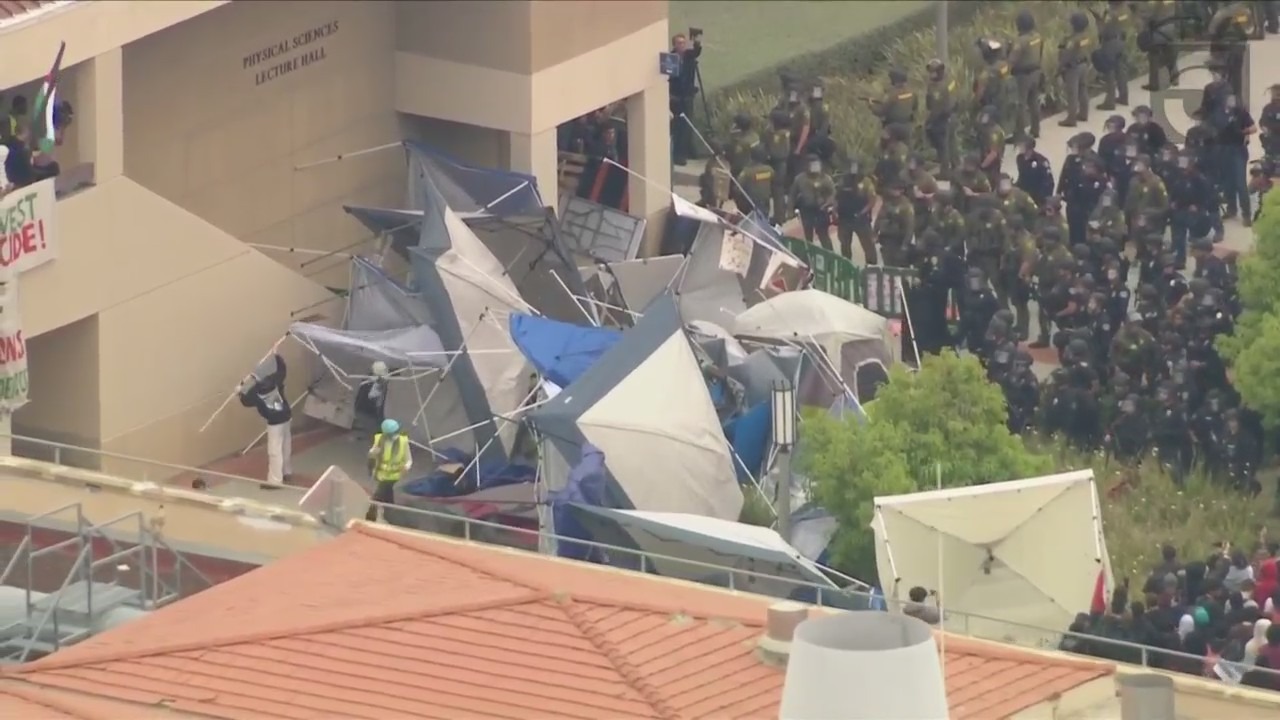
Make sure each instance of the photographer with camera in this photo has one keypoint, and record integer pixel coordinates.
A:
(684, 88)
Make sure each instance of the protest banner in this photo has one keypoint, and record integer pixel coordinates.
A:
(27, 233)
(13, 346)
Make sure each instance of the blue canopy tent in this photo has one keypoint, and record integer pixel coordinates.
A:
(560, 352)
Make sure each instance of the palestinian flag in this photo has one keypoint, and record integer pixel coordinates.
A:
(42, 130)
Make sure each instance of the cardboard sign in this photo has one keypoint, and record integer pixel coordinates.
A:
(27, 233)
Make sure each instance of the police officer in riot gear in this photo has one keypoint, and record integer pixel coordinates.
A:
(1238, 454)
(978, 307)
(855, 198)
(1026, 61)
(1171, 433)
(1035, 175)
(1127, 437)
(1193, 200)
(940, 105)
(1021, 393)
(1148, 133)
(1112, 60)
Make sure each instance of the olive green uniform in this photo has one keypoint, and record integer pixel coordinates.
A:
(741, 144)
(1018, 268)
(1147, 196)
(923, 188)
(1018, 202)
(940, 103)
(1107, 222)
(1113, 30)
(779, 146)
(991, 141)
(1026, 62)
(895, 226)
(988, 243)
(1073, 60)
(855, 198)
(892, 165)
(1046, 272)
(715, 183)
(799, 113)
(990, 88)
(812, 198)
(897, 107)
(1163, 33)
(968, 184)
(948, 223)
(756, 180)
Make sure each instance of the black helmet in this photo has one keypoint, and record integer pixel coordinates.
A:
(1022, 359)
(1082, 141)
(935, 66)
(1077, 349)
(1142, 110)
(1025, 22)
(1079, 23)
(1115, 122)
(760, 153)
(742, 121)
(897, 76)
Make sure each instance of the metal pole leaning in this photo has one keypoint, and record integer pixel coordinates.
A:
(344, 156)
(236, 391)
(911, 327)
(263, 434)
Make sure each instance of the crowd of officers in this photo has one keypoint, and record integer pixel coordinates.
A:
(1139, 375)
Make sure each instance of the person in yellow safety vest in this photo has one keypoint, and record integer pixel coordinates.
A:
(389, 460)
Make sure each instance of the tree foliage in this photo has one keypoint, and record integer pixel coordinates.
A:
(1253, 350)
(946, 415)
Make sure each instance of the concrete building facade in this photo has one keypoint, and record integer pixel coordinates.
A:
(195, 116)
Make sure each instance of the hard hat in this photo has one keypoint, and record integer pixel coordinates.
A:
(390, 427)
(379, 368)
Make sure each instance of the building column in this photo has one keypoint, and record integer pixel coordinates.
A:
(99, 106)
(649, 153)
(536, 155)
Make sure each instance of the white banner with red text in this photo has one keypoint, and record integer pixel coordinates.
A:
(27, 232)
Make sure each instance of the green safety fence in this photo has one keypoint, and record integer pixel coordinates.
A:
(876, 288)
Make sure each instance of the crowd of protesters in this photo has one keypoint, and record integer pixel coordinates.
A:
(1218, 617)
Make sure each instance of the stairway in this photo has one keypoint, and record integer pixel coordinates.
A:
(64, 618)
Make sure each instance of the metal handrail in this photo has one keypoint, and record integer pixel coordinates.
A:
(20, 552)
(58, 448)
(646, 559)
(52, 609)
(180, 561)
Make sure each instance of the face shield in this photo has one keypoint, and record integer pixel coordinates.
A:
(1006, 186)
(815, 167)
(816, 94)
(793, 97)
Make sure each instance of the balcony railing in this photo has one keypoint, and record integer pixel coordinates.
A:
(737, 579)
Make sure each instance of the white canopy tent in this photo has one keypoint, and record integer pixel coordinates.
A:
(852, 340)
(1025, 554)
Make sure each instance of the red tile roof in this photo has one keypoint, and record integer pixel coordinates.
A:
(10, 9)
(387, 624)
(36, 703)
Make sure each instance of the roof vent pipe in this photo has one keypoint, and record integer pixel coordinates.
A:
(780, 629)
(1146, 697)
(864, 665)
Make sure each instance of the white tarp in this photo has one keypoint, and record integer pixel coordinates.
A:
(483, 298)
(1025, 554)
(806, 316)
(664, 404)
(406, 347)
(714, 544)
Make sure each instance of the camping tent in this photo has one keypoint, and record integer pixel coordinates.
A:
(730, 267)
(853, 341)
(1025, 555)
(715, 548)
(646, 406)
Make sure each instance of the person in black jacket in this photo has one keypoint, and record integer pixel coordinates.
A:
(683, 88)
(1035, 175)
(266, 395)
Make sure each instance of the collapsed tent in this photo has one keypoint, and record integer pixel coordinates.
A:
(505, 212)
(853, 342)
(711, 550)
(645, 405)
(1021, 557)
(730, 268)
(470, 299)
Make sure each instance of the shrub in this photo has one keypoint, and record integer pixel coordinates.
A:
(1142, 509)
(858, 69)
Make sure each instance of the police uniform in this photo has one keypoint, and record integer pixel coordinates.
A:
(1073, 60)
(940, 105)
(989, 87)
(1026, 62)
(779, 147)
(855, 196)
(895, 226)
(755, 183)
(991, 139)
(1158, 40)
(1112, 61)
(898, 106)
(743, 140)
(813, 197)
(1269, 124)
(715, 182)
(1192, 199)
(988, 241)
(1035, 176)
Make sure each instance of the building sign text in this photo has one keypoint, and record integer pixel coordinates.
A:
(281, 58)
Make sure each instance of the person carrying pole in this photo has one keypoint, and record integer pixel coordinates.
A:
(389, 460)
(266, 395)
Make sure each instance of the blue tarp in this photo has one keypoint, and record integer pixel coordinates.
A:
(748, 434)
(584, 486)
(559, 351)
(482, 475)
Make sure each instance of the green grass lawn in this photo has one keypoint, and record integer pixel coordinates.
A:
(745, 37)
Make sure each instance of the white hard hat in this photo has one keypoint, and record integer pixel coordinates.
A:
(379, 368)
